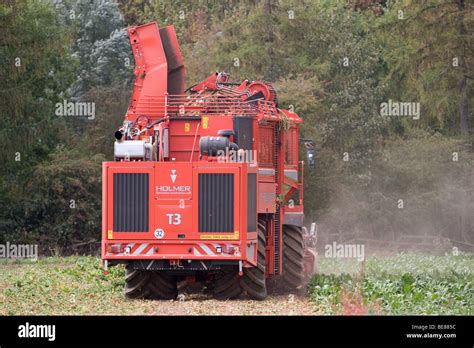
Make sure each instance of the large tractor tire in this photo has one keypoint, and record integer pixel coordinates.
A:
(141, 284)
(253, 281)
(136, 283)
(163, 286)
(227, 285)
(293, 257)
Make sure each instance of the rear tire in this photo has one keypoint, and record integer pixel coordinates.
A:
(136, 283)
(293, 259)
(253, 281)
(162, 286)
(227, 285)
(141, 284)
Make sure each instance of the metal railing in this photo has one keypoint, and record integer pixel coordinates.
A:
(207, 104)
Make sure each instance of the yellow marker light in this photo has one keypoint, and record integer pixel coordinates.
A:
(187, 127)
(205, 122)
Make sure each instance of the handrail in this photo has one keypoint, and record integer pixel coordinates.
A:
(301, 183)
(196, 105)
(194, 141)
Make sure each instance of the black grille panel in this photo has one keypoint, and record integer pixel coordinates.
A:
(251, 202)
(131, 202)
(216, 202)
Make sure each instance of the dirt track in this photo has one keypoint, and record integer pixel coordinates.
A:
(198, 304)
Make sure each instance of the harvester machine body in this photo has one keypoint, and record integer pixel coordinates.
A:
(204, 184)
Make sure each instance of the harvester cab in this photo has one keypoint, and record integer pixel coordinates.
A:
(205, 184)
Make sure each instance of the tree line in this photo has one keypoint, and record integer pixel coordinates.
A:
(384, 88)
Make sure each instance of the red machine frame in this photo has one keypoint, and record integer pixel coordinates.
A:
(161, 113)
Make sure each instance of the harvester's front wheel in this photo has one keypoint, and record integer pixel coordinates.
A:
(293, 259)
(253, 281)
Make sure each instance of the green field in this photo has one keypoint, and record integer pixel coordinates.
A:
(402, 284)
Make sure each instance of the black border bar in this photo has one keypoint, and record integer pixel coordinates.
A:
(226, 331)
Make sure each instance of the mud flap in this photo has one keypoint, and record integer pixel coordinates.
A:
(310, 257)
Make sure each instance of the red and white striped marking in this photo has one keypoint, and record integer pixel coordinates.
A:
(147, 249)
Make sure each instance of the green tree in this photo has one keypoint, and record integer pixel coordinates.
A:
(34, 50)
(37, 66)
(429, 51)
(100, 43)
